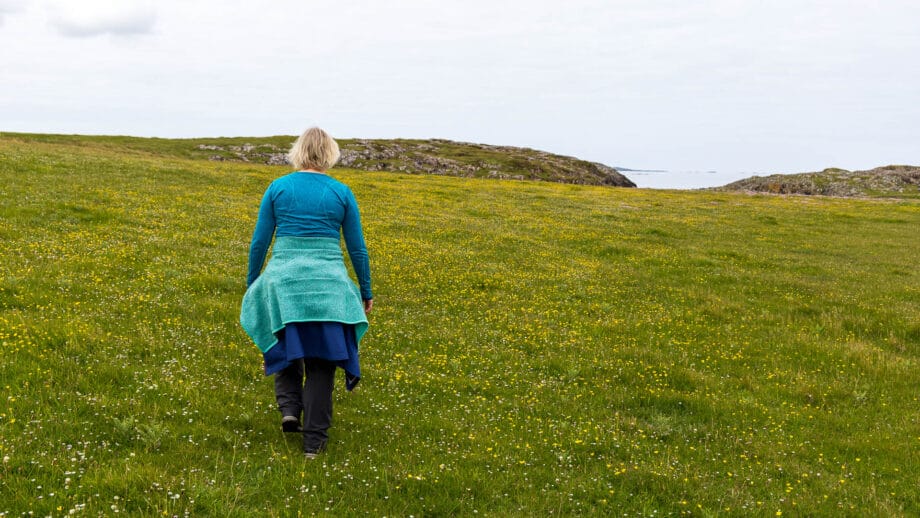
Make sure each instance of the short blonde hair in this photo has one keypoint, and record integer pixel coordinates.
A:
(315, 149)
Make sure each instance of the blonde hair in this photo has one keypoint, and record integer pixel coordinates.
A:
(315, 149)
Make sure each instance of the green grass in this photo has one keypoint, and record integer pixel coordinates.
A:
(536, 349)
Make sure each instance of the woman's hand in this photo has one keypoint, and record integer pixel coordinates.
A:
(368, 305)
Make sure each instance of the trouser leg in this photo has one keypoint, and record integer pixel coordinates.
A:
(289, 389)
(317, 403)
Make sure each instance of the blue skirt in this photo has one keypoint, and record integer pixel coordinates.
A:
(332, 341)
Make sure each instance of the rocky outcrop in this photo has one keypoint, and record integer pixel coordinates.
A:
(260, 153)
(889, 181)
(443, 157)
(449, 158)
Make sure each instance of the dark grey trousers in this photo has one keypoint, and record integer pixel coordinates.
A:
(312, 396)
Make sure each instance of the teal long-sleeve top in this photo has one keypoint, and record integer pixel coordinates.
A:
(307, 204)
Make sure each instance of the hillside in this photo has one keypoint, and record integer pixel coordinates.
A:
(445, 158)
(435, 156)
(536, 349)
(894, 181)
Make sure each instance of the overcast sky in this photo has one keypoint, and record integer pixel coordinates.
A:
(741, 86)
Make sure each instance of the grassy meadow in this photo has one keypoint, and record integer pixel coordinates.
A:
(536, 349)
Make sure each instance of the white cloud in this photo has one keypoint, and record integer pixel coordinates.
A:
(96, 17)
(10, 7)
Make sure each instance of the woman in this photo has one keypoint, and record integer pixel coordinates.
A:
(303, 311)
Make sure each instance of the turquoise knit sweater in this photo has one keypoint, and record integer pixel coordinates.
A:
(304, 281)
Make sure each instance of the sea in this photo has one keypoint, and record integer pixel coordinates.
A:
(685, 179)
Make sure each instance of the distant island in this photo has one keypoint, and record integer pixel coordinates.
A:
(619, 168)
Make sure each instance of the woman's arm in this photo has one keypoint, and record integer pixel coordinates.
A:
(357, 249)
(261, 237)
